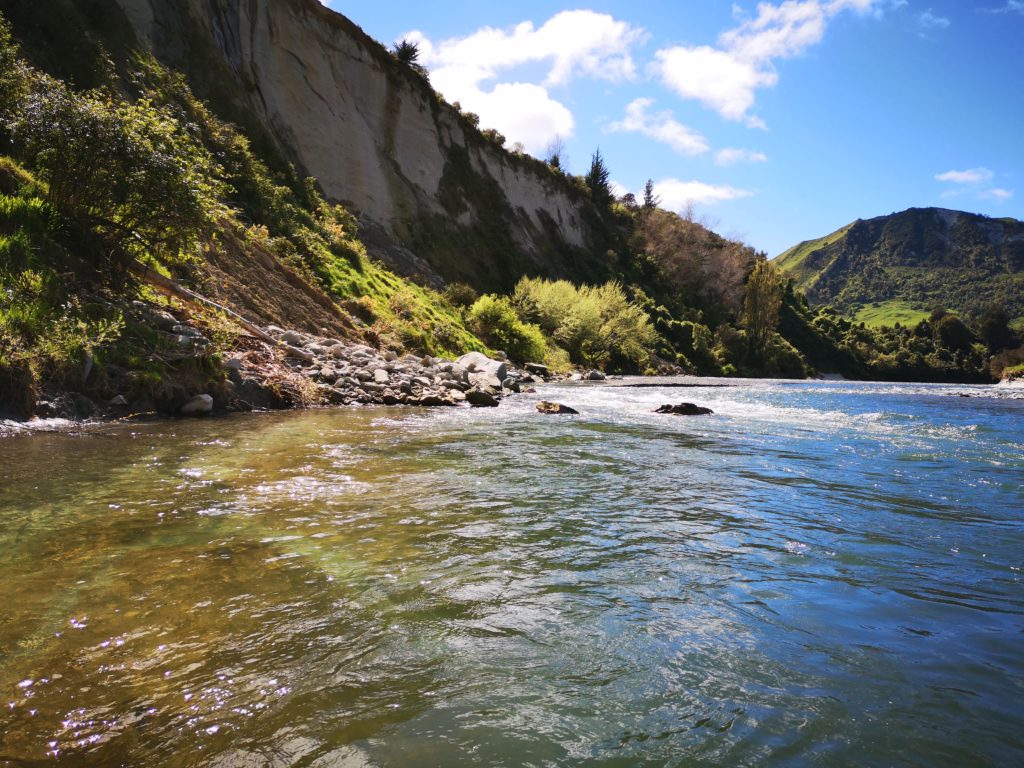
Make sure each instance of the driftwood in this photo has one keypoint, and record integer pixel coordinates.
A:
(176, 290)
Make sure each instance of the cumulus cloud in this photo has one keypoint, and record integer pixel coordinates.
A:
(726, 78)
(970, 176)
(731, 156)
(570, 44)
(661, 126)
(677, 195)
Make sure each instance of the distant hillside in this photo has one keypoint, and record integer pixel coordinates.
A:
(898, 267)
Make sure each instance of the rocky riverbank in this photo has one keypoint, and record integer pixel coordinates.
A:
(286, 368)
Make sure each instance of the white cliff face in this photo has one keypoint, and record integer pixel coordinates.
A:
(375, 137)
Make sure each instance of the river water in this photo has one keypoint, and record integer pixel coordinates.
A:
(819, 574)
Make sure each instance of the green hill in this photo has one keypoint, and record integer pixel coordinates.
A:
(897, 268)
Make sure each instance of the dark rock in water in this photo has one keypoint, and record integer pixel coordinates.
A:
(685, 409)
(555, 408)
(596, 375)
(479, 398)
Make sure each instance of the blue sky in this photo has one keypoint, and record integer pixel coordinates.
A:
(776, 121)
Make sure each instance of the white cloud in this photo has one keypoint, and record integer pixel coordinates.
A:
(731, 156)
(1012, 6)
(726, 78)
(928, 22)
(998, 194)
(970, 176)
(676, 195)
(973, 181)
(569, 44)
(661, 127)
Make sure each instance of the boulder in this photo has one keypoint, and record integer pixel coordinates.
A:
(200, 405)
(381, 376)
(476, 362)
(685, 409)
(596, 375)
(545, 406)
(480, 398)
(485, 379)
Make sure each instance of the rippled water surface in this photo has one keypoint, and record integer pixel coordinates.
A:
(818, 574)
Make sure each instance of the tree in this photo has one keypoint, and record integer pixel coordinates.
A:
(555, 154)
(994, 329)
(598, 181)
(125, 170)
(953, 334)
(651, 200)
(762, 302)
(407, 52)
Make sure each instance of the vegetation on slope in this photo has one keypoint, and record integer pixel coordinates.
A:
(919, 259)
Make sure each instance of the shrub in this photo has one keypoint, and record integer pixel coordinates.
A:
(595, 325)
(126, 170)
(461, 295)
(494, 320)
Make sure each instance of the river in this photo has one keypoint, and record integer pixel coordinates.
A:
(821, 573)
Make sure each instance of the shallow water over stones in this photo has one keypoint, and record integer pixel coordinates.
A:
(817, 573)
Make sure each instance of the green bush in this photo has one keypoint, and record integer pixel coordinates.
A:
(126, 170)
(494, 320)
(595, 325)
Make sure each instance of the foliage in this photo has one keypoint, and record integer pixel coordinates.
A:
(761, 303)
(595, 325)
(598, 181)
(461, 295)
(917, 258)
(702, 269)
(126, 170)
(651, 200)
(407, 51)
(494, 319)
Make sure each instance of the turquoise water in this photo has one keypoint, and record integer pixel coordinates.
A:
(818, 574)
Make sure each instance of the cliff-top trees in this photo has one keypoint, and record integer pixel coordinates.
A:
(598, 181)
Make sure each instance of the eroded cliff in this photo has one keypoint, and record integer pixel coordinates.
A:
(435, 197)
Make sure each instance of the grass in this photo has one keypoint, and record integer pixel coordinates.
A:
(889, 313)
(793, 263)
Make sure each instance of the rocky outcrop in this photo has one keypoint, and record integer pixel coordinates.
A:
(685, 409)
(434, 196)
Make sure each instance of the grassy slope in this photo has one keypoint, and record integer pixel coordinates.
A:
(889, 313)
(797, 262)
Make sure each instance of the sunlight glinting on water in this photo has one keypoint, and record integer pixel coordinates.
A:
(822, 570)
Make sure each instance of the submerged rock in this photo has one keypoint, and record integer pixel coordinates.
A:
(685, 409)
(545, 406)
